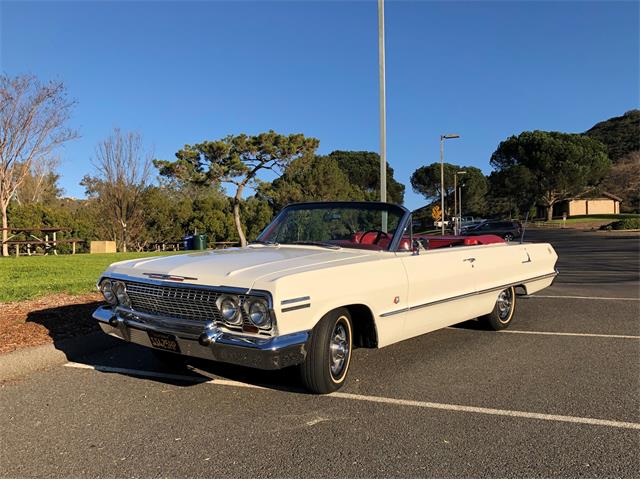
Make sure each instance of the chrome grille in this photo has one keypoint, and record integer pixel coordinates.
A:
(175, 302)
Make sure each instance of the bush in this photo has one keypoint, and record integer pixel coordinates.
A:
(626, 224)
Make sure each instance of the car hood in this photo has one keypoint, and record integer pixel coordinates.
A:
(237, 267)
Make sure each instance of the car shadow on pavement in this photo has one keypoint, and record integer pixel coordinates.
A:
(76, 334)
(71, 328)
(140, 362)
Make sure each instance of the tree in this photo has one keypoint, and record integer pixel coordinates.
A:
(40, 185)
(363, 171)
(310, 178)
(426, 181)
(560, 165)
(511, 192)
(33, 116)
(624, 180)
(122, 175)
(621, 135)
(236, 159)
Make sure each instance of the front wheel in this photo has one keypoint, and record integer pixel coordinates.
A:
(326, 365)
(508, 237)
(502, 313)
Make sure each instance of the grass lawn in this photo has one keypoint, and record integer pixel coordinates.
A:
(25, 278)
(596, 218)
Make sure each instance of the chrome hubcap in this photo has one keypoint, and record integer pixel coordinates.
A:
(505, 300)
(339, 349)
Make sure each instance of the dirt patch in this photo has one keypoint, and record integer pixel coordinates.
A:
(46, 320)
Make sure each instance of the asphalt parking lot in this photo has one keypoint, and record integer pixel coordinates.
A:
(556, 395)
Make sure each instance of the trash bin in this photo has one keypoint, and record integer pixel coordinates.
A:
(187, 242)
(199, 242)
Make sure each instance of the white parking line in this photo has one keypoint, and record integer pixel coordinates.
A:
(626, 299)
(559, 334)
(570, 334)
(383, 400)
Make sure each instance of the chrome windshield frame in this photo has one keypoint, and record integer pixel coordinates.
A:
(397, 236)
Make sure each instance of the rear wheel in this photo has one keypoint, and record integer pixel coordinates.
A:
(502, 313)
(326, 365)
(508, 237)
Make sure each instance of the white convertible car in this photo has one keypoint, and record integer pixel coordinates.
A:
(322, 279)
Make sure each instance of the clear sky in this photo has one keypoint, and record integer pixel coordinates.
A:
(183, 72)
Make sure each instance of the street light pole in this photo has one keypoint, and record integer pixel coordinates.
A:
(442, 139)
(383, 116)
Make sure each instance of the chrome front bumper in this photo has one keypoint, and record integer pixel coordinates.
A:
(209, 343)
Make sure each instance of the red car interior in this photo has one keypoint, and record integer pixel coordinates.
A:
(430, 241)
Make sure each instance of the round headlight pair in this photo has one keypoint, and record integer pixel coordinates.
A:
(115, 292)
(256, 308)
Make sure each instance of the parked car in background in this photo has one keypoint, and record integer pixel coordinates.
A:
(322, 279)
(507, 229)
(468, 221)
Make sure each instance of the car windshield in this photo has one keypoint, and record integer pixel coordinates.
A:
(335, 225)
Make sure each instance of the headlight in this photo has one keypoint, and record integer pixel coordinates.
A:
(230, 310)
(106, 287)
(258, 311)
(120, 292)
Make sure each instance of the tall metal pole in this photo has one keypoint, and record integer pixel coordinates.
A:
(461, 201)
(383, 115)
(442, 183)
(455, 203)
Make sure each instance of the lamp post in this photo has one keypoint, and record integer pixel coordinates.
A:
(442, 139)
(383, 119)
(458, 218)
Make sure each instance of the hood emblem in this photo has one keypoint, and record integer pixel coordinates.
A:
(173, 278)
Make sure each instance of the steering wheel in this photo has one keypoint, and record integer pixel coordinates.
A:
(379, 236)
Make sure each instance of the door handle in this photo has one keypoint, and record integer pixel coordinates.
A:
(470, 260)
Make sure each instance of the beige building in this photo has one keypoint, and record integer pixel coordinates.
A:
(604, 204)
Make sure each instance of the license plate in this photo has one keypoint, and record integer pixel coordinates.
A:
(164, 341)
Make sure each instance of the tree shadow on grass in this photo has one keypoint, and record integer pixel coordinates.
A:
(77, 334)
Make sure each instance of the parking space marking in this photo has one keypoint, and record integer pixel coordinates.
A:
(626, 299)
(490, 411)
(382, 400)
(559, 334)
(571, 334)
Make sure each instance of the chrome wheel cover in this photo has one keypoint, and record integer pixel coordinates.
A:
(339, 349)
(505, 302)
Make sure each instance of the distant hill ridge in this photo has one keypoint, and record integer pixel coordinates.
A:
(621, 134)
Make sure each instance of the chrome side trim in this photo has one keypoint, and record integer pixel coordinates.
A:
(294, 300)
(470, 294)
(297, 307)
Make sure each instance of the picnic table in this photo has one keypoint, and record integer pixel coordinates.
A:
(47, 238)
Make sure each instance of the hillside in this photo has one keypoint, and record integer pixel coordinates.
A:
(621, 134)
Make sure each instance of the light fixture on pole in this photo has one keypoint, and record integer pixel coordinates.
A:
(383, 117)
(442, 139)
(457, 218)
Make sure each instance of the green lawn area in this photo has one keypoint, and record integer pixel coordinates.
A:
(597, 218)
(25, 278)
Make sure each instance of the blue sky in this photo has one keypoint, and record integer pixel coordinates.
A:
(183, 72)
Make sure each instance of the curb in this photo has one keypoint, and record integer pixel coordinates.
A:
(32, 359)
